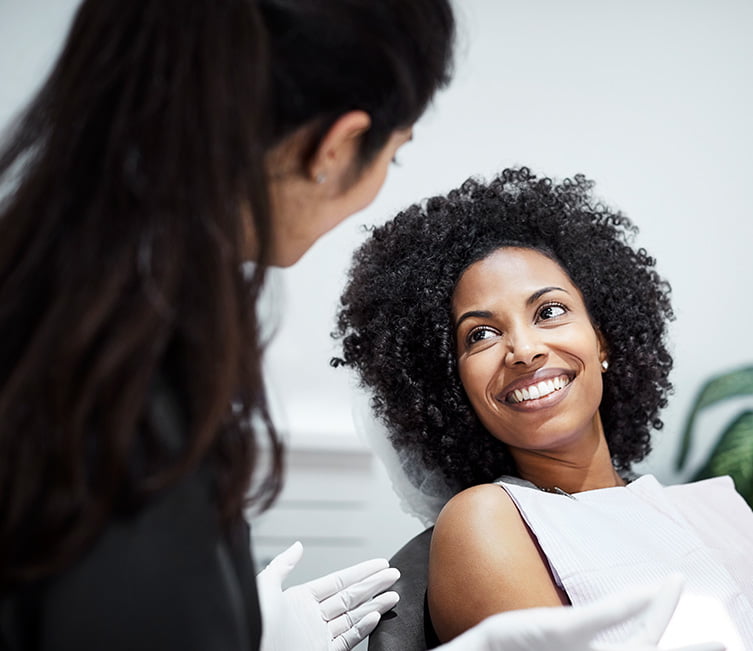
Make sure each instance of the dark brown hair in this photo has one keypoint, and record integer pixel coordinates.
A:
(126, 184)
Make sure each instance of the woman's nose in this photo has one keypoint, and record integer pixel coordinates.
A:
(524, 347)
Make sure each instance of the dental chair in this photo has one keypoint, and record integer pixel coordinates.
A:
(407, 627)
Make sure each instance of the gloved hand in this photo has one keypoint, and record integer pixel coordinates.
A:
(331, 613)
(573, 628)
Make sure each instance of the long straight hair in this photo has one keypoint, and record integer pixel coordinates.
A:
(122, 240)
(128, 185)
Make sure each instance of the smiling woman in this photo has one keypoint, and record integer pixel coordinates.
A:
(514, 340)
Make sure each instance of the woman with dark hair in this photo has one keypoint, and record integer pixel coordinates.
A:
(171, 143)
(514, 344)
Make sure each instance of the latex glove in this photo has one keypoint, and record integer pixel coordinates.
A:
(332, 613)
(573, 628)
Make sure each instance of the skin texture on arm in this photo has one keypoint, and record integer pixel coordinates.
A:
(484, 560)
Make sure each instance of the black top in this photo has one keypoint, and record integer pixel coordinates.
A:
(165, 578)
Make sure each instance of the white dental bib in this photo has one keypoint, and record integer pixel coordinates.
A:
(600, 541)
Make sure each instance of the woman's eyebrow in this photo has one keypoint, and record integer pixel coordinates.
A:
(481, 314)
(544, 290)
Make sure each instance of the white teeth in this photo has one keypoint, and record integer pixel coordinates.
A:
(543, 388)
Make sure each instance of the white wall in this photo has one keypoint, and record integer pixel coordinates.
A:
(651, 98)
(31, 32)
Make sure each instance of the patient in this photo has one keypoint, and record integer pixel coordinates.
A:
(514, 342)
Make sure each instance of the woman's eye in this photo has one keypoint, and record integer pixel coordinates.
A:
(551, 311)
(480, 334)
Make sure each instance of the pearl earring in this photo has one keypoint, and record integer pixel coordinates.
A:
(605, 365)
(321, 177)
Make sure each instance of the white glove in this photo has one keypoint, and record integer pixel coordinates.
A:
(331, 613)
(573, 628)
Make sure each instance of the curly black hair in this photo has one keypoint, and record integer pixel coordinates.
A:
(395, 318)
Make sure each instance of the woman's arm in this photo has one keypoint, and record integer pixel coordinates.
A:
(484, 560)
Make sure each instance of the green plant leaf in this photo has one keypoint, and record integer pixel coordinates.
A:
(733, 455)
(721, 387)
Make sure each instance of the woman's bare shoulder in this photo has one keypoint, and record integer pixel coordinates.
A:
(478, 502)
(475, 521)
(484, 560)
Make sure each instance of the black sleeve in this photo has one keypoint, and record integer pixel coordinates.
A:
(164, 579)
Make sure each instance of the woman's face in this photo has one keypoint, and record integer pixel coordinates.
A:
(528, 356)
(303, 211)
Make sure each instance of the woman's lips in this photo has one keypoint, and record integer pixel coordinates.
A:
(539, 386)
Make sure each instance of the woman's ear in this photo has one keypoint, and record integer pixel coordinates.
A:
(603, 348)
(335, 158)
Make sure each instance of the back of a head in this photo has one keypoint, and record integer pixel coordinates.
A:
(328, 57)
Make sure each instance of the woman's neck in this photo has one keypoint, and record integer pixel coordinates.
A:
(587, 466)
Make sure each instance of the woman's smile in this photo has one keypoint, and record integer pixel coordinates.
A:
(543, 389)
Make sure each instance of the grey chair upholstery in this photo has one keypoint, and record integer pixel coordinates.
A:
(408, 626)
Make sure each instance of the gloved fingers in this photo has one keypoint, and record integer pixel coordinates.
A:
(629, 645)
(358, 593)
(501, 632)
(654, 619)
(610, 611)
(280, 566)
(348, 639)
(329, 584)
(379, 604)
(704, 646)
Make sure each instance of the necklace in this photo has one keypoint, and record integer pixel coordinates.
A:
(557, 490)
